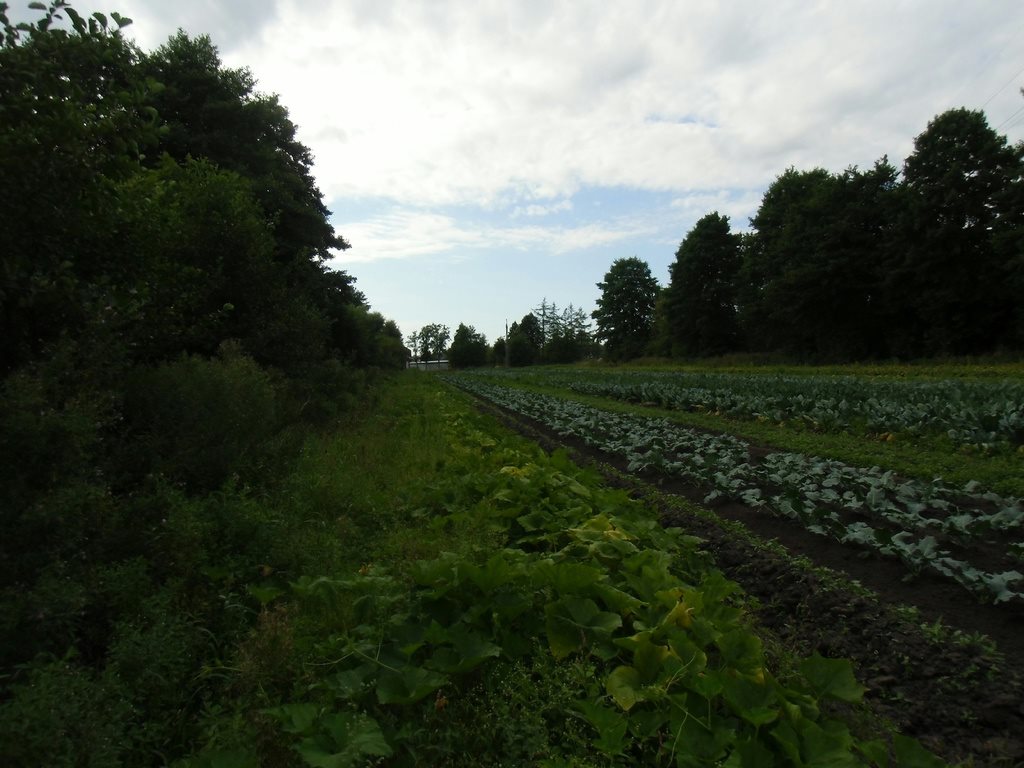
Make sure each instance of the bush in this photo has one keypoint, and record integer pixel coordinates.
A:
(199, 422)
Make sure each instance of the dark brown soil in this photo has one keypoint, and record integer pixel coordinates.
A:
(960, 694)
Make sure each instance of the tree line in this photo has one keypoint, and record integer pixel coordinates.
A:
(862, 264)
(170, 337)
(546, 334)
(923, 261)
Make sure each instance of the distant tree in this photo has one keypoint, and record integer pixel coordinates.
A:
(530, 326)
(413, 340)
(959, 272)
(548, 318)
(434, 341)
(468, 349)
(625, 309)
(498, 352)
(525, 340)
(780, 303)
(812, 269)
(701, 296)
(660, 344)
(570, 339)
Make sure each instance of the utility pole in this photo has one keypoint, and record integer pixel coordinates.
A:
(506, 343)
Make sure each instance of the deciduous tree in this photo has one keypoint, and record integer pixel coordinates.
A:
(962, 234)
(701, 296)
(468, 349)
(625, 309)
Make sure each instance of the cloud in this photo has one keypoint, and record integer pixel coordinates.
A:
(515, 107)
(498, 103)
(405, 234)
(542, 210)
(507, 105)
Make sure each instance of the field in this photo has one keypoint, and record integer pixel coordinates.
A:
(903, 485)
(496, 568)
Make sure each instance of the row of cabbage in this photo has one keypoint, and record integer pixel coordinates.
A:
(983, 414)
(869, 507)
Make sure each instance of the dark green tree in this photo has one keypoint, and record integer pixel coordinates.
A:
(525, 341)
(434, 341)
(780, 303)
(214, 112)
(701, 296)
(570, 339)
(468, 349)
(498, 352)
(956, 279)
(811, 273)
(75, 120)
(625, 309)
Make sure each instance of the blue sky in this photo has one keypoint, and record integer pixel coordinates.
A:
(481, 156)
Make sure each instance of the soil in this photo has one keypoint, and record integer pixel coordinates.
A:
(958, 686)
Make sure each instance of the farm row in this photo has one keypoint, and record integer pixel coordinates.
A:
(961, 533)
(985, 415)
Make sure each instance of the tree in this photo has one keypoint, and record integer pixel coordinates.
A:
(75, 121)
(701, 296)
(781, 266)
(625, 309)
(958, 271)
(525, 340)
(498, 351)
(570, 338)
(434, 341)
(213, 112)
(812, 269)
(468, 349)
(413, 341)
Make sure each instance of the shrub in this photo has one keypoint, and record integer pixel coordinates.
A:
(198, 421)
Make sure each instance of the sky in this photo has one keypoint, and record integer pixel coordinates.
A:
(482, 157)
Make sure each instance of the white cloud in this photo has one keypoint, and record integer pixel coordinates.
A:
(500, 103)
(404, 234)
(514, 107)
(541, 210)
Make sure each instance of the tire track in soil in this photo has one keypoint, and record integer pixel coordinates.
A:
(959, 699)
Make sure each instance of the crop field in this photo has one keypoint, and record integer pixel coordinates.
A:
(916, 479)
(963, 532)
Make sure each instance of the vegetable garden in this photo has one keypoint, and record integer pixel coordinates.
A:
(967, 534)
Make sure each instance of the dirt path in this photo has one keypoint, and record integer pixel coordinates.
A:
(951, 689)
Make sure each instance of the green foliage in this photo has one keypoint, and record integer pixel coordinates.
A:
(625, 309)
(61, 716)
(963, 227)
(468, 349)
(171, 333)
(76, 118)
(433, 341)
(643, 650)
(701, 296)
(813, 269)
(823, 495)
(215, 113)
(193, 266)
(862, 264)
(198, 422)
